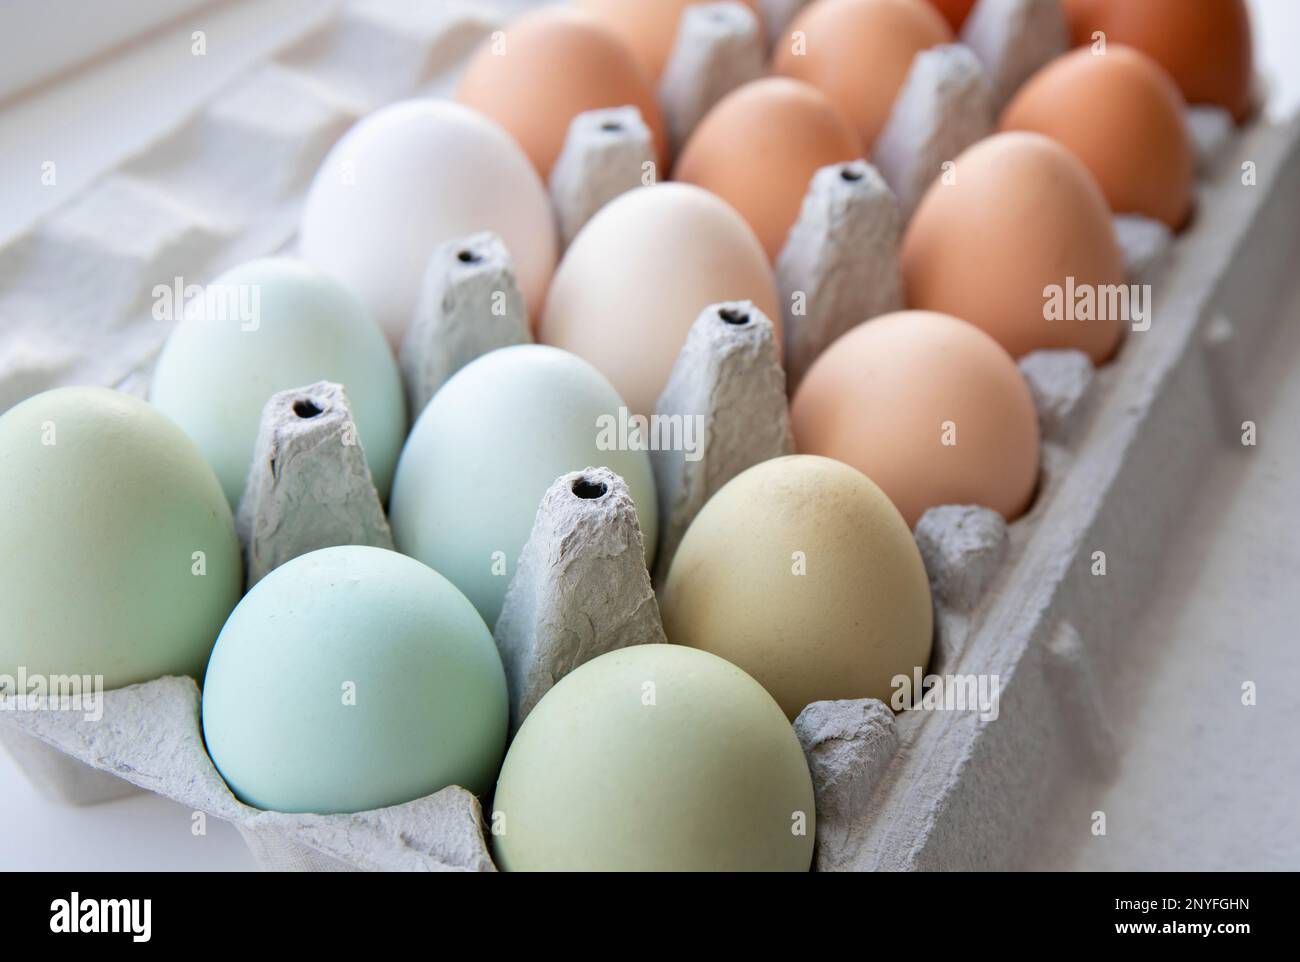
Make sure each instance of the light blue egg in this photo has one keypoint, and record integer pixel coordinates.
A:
(485, 450)
(353, 678)
(273, 325)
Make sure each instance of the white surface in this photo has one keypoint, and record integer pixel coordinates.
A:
(49, 47)
(1207, 783)
(95, 118)
(144, 832)
(1189, 761)
(1277, 39)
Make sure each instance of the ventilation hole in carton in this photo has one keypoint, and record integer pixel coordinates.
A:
(589, 490)
(611, 126)
(733, 316)
(851, 174)
(306, 408)
(468, 257)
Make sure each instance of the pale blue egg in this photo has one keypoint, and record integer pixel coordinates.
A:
(487, 447)
(273, 325)
(354, 678)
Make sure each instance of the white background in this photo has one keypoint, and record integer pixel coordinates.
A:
(72, 117)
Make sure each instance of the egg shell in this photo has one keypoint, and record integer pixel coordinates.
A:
(803, 573)
(555, 64)
(485, 450)
(1017, 215)
(409, 177)
(880, 398)
(353, 678)
(759, 147)
(118, 554)
(954, 11)
(638, 275)
(1124, 118)
(1205, 45)
(216, 373)
(859, 52)
(648, 27)
(655, 758)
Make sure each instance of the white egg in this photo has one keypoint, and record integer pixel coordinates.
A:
(410, 177)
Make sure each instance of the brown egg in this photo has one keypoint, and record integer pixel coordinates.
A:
(759, 148)
(555, 64)
(930, 408)
(648, 27)
(954, 11)
(1121, 115)
(858, 52)
(1016, 218)
(1204, 44)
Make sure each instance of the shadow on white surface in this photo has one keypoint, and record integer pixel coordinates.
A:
(140, 833)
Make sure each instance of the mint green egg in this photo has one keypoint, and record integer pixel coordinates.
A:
(118, 554)
(484, 451)
(655, 758)
(273, 325)
(353, 678)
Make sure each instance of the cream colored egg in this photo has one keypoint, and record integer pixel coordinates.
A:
(801, 572)
(639, 274)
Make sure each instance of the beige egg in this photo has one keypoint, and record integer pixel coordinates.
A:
(759, 147)
(552, 65)
(801, 572)
(930, 408)
(1122, 115)
(648, 27)
(638, 275)
(1015, 239)
(859, 52)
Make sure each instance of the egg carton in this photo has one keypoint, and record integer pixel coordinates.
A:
(923, 789)
(581, 587)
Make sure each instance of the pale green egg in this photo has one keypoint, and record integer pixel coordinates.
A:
(655, 758)
(273, 325)
(354, 678)
(487, 447)
(118, 554)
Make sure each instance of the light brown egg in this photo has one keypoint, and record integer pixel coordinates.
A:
(548, 67)
(1121, 115)
(1016, 217)
(801, 572)
(638, 275)
(1205, 45)
(954, 11)
(648, 27)
(858, 52)
(759, 148)
(930, 408)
